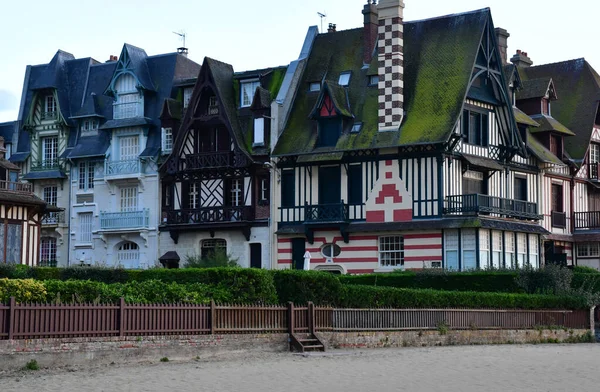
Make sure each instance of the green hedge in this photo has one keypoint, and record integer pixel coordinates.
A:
(357, 296)
(301, 287)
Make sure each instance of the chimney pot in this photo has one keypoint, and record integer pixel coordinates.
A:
(521, 59)
(331, 28)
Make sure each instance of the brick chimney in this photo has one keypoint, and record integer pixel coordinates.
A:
(391, 64)
(331, 28)
(371, 30)
(112, 59)
(520, 59)
(502, 39)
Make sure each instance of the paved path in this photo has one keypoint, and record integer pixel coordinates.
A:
(473, 368)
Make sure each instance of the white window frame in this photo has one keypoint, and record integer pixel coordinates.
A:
(50, 149)
(391, 251)
(128, 199)
(129, 102)
(247, 91)
(451, 240)
(259, 131)
(314, 86)
(533, 251)
(85, 227)
(521, 249)
(374, 80)
(86, 175)
(208, 245)
(588, 249)
(194, 195)
(48, 244)
(167, 139)
(187, 96)
(484, 249)
(594, 153)
(129, 148)
(128, 255)
(469, 248)
(50, 104)
(509, 250)
(497, 249)
(51, 195)
(264, 189)
(237, 192)
(89, 125)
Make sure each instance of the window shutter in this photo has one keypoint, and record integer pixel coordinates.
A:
(259, 131)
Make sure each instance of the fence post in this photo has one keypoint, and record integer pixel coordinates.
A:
(213, 312)
(311, 317)
(122, 317)
(11, 318)
(291, 321)
(593, 320)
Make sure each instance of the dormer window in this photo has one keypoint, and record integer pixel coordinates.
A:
(248, 88)
(594, 153)
(314, 87)
(167, 139)
(187, 96)
(259, 131)
(546, 106)
(129, 102)
(556, 147)
(329, 131)
(50, 108)
(89, 126)
(344, 79)
(373, 80)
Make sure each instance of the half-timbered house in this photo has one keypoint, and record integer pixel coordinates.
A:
(402, 150)
(216, 183)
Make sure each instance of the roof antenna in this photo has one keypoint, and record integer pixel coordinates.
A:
(183, 49)
(322, 15)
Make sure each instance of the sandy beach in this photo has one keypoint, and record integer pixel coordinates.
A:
(471, 368)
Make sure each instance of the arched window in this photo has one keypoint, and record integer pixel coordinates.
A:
(128, 255)
(48, 252)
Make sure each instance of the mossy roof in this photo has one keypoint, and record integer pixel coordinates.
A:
(578, 89)
(550, 124)
(524, 119)
(534, 88)
(439, 55)
(539, 151)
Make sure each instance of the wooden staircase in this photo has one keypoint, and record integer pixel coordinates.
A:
(306, 343)
(301, 329)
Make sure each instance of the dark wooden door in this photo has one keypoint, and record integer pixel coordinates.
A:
(255, 256)
(298, 250)
(330, 187)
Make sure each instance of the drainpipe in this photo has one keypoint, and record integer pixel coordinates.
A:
(68, 215)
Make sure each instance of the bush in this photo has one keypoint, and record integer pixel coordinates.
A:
(24, 290)
(552, 279)
(13, 271)
(355, 296)
(216, 258)
(580, 269)
(300, 287)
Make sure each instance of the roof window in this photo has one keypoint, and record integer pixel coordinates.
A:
(356, 127)
(344, 79)
(314, 86)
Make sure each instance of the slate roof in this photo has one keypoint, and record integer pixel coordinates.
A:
(534, 88)
(524, 119)
(8, 130)
(541, 152)
(21, 198)
(439, 55)
(578, 87)
(549, 124)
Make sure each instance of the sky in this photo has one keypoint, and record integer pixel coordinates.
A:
(253, 34)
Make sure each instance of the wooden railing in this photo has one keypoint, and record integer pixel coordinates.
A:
(483, 204)
(210, 215)
(559, 219)
(33, 321)
(17, 187)
(209, 160)
(587, 220)
(317, 213)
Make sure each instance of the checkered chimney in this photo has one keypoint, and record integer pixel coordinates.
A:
(391, 64)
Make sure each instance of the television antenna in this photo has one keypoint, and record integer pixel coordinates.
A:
(322, 15)
(182, 35)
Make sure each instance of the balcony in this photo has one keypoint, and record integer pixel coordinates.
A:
(477, 204)
(587, 220)
(209, 160)
(219, 214)
(125, 220)
(559, 219)
(593, 171)
(123, 169)
(46, 165)
(322, 213)
(127, 110)
(49, 116)
(53, 219)
(16, 187)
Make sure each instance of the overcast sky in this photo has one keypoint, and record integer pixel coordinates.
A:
(253, 34)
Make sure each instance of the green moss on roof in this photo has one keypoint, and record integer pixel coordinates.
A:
(524, 119)
(541, 152)
(275, 81)
(549, 124)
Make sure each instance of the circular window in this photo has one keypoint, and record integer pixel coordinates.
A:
(331, 250)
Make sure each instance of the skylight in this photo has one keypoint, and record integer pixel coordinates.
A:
(344, 79)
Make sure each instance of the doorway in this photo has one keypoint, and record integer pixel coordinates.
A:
(298, 250)
(255, 256)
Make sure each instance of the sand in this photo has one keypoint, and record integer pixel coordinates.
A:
(472, 368)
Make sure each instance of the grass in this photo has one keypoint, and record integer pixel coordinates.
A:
(32, 365)
(164, 359)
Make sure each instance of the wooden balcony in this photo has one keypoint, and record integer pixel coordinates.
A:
(123, 169)
(125, 220)
(558, 219)
(477, 204)
(209, 215)
(322, 213)
(208, 160)
(16, 187)
(587, 220)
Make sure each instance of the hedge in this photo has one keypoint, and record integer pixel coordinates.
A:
(301, 287)
(24, 290)
(357, 296)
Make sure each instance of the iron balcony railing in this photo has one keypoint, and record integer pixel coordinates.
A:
(46, 164)
(53, 218)
(559, 219)
(127, 110)
(50, 115)
(125, 220)
(476, 204)
(123, 168)
(17, 187)
(587, 220)
(218, 214)
(317, 213)
(593, 171)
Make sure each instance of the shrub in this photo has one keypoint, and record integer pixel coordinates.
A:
(216, 258)
(99, 274)
(32, 365)
(24, 290)
(355, 296)
(300, 287)
(552, 279)
(13, 271)
(580, 269)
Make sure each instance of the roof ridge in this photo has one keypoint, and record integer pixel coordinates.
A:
(481, 10)
(558, 62)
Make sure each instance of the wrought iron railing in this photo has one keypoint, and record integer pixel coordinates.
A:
(559, 219)
(476, 204)
(17, 187)
(120, 168)
(125, 220)
(593, 171)
(209, 160)
(316, 213)
(587, 220)
(53, 218)
(127, 110)
(209, 215)
(49, 115)
(46, 164)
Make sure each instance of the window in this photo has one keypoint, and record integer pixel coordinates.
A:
(8, 152)
(557, 198)
(128, 255)
(594, 153)
(545, 106)
(248, 89)
(86, 175)
(588, 249)
(288, 188)
(330, 250)
(12, 233)
(520, 188)
(533, 251)
(129, 199)
(259, 131)
(167, 195)
(209, 247)
(48, 252)
(373, 80)
(50, 104)
(329, 131)
(509, 239)
(50, 151)
(236, 192)
(213, 105)
(51, 195)
(484, 248)
(521, 249)
(187, 96)
(355, 184)
(469, 249)
(167, 139)
(89, 126)
(264, 190)
(129, 102)
(85, 227)
(473, 183)
(344, 79)
(475, 127)
(391, 251)
(129, 148)
(451, 249)
(356, 127)
(194, 195)
(556, 145)
(314, 86)
(497, 249)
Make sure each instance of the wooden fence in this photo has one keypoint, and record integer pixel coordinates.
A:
(32, 321)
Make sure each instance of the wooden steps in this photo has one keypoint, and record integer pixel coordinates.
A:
(306, 343)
